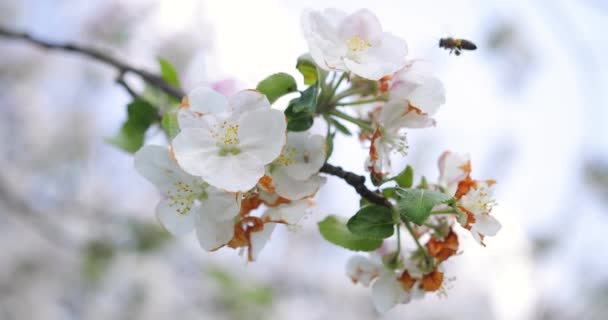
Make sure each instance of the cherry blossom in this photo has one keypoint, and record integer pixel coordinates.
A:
(354, 43)
(189, 202)
(227, 142)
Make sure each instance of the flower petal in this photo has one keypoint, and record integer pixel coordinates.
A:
(177, 224)
(310, 154)
(259, 240)
(155, 164)
(486, 225)
(362, 24)
(213, 234)
(321, 34)
(201, 101)
(192, 146)
(220, 205)
(387, 292)
(262, 133)
(290, 188)
(362, 270)
(381, 59)
(289, 213)
(233, 173)
(248, 100)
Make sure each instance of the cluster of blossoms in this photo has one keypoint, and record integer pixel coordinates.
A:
(239, 166)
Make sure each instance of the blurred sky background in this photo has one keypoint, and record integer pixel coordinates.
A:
(77, 230)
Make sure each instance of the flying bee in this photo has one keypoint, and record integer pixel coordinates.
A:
(456, 45)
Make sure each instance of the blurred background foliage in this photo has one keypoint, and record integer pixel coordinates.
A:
(77, 228)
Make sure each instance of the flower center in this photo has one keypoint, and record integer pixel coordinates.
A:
(357, 46)
(227, 137)
(287, 157)
(182, 196)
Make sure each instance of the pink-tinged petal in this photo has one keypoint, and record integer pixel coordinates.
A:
(213, 234)
(362, 24)
(248, 100)
(175, 223)
(381, 59)
(387, 292)
(262, 134)
(259, 240)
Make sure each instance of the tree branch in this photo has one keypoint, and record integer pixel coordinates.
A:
(95, 54)
(357, 182)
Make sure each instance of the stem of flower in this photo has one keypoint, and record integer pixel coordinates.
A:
(398, 226)
(444, 211)
(413, 234)
(358, 102)
(347, 93)
(344, 116)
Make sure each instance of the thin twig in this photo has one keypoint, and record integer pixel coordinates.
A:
(95, 54)
(357, 182)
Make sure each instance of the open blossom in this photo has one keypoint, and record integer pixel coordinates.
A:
(189, 202)
(474, 197)
(295, 173)
(354, 43)
(227, 142)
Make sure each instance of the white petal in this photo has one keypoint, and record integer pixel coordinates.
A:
(262, 134)
(202, 102)
(310, 154)
(321, 34)
(486, 225)
(220, 205)
(429, 96)
(207, 101)
(248, 100)
(233, 173)
(362, 270)
(177, 224)
(391, 114)
(387, 292)
(289, 213)
(155, 164)
(259, 239)
(452, 168)
(192, 148)
(379, 60)
(363, 24)
(292, 189)
(415, 120)
(213, 234)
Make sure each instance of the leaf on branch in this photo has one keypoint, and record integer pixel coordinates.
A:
(334, 230)
(168, 72)
(277, 85)
(405, 179)
(140, 116)
(170, 124)
(373, 221)
(301, 111)
(308, 69)
(416, 204)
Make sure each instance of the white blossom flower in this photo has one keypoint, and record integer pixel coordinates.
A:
(228, 142)
(294, 173)
(420, 92)
(190, 203)
(354, 42)
(363, 270)
(289, 214)
(478, 203)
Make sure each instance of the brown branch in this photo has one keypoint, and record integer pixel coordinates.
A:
(357, 182)
(95, 54)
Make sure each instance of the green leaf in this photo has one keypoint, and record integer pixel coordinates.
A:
(405, 179)
(299, 124)
(374, 222)
(416, 204)
(277, 85)
(329, 144)
(340, 127)
(148, 236)
(308, 68)
(168, 72)
(307, 102)
(170, 124)
(140, 116)
(389, 192)
(97, 258)
(334, 230)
